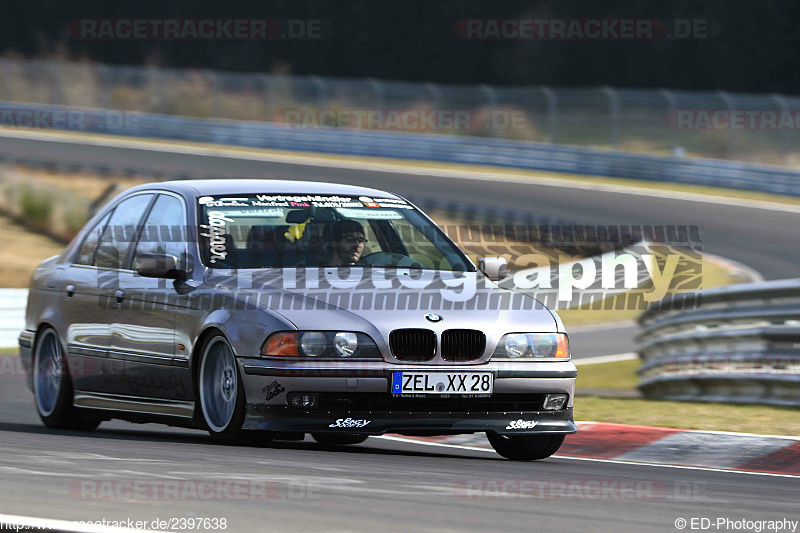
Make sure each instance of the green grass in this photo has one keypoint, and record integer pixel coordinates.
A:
(688, 415)
(9, 351)
(620, 375)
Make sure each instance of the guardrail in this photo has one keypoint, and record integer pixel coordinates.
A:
(12, 315)
(430, 147)
(737, 344)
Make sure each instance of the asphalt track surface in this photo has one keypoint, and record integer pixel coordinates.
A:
(378, 485)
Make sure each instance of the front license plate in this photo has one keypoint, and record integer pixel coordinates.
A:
(443, 383)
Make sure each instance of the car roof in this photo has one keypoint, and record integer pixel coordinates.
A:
(212, 187)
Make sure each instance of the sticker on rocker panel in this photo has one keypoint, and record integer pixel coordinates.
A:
(521, 424)
(349, 423)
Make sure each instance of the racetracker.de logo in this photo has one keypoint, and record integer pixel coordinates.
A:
(191, 490)
(732, 119)
(581, 29)
(193, 29)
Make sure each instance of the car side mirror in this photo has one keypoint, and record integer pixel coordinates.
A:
(157, 266)
(495, 268)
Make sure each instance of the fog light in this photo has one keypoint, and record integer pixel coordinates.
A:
(555, 402)
(303, 400)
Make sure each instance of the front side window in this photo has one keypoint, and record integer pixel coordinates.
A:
(312, 230)
(121, 230)
(163, 231)
(89, 244)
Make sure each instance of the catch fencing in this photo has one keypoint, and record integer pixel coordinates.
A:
(737, 344)
(745, 141)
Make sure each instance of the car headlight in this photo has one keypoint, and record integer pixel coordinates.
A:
(345, 343)
(521, 346)
(320, 345)
(312, 343)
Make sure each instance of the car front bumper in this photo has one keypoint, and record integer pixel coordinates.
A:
(363, 403)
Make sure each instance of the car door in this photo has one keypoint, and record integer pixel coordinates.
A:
(142, 323)
(84, 314)
(111, 260)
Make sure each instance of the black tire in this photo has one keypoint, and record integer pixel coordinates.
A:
(339, 438)
(525, 447)
(55, 409)
(223, 427)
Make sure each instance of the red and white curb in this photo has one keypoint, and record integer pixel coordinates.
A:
(744, 452)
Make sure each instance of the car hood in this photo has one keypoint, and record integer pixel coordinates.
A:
(396, 300)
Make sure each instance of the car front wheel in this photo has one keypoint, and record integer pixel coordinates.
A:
(221, 392)
(525, 447)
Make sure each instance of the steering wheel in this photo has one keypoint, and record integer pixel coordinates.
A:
(389, 259)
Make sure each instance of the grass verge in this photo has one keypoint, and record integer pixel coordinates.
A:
(761, 419)
(621, 375)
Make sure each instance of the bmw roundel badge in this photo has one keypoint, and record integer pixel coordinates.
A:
(433, 318)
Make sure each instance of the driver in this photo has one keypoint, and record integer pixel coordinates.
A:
(347, 242)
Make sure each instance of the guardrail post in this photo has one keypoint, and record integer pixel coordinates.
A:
(552, 113)
(491, 102)
(672, 117)
(322, 91)
(728, 134)
(784, 134)
(613, 114)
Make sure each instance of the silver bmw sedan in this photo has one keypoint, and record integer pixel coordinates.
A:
(280, 308)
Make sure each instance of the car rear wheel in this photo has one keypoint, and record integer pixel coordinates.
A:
(52, 386)
(221, 392)
(335, 438)
(525, 447)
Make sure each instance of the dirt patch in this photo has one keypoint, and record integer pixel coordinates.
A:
(22, 251)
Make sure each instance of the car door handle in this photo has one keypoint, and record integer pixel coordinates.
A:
(70, 290)
(119, 294)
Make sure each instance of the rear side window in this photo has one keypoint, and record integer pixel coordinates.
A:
(164, 230)
(121, 230)
(89, 245)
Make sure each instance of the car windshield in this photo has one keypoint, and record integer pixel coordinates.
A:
(320, 230)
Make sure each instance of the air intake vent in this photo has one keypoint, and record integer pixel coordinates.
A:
(463, 344)
(413, 344)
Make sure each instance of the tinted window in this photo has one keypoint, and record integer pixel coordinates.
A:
(86, 252)
(321, 230)
(121, 230)
(163, 231)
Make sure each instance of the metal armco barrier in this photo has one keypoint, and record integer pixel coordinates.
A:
(737, 344)
(430, 147)
(12, 315)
